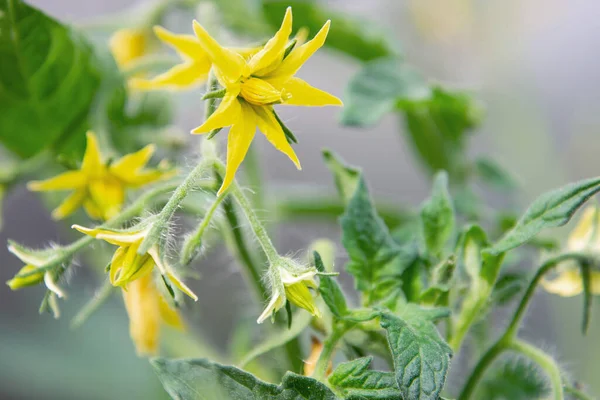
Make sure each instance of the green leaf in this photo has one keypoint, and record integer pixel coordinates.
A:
(330, 291)
(492, 174)
(376, 261)
(201, 379)
(438, 128)
(550, 210)
(351, 36)
(378, 88)
(346, 177)
(48, 82)
(437, 216)
(421, 356)
(357, 381)
(514, 379)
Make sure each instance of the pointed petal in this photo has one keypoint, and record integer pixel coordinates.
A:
(186, 45)
(69, 205)
(92, 209)
(92, 159)
(298, 92)
(238, 141)
(581, 237)
(226, 114)
(170, 316)
(118, 238)
(567, 284)
(230, 63)
(271, 54)
(175, 280)
(182, 76)
(131, 163)
(277, 301)
(141, 302)
(268, 125)
(149, 176)
(65, 181)
(292, 63)
(116, 264)
(127, 45)
(52, 286)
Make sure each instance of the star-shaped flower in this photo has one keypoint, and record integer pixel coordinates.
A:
(253, 85)
(99, 186)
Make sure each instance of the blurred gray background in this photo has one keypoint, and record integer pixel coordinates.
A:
(535, 66)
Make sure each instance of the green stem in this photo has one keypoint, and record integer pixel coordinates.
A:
(329, 346)
(254, 175)
(509, 340)
(517, 318)
(66, 252)
(252, 270)
(193, 242)
(543, 360)
(256, 225)
(92, 305)
(162, 219)
(576, 393)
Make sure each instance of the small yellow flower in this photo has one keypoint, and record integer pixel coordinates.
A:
(256, 83)
(127, 265)
(291, 282)
(585, 238)
(147, 311)
(193, 71)
(129, 44)
(98, 186)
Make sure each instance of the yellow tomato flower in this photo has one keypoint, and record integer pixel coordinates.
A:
(291, 284)
(127, 265)
(128, 44)
(254, 84)
(98, 186)
(193, 71)
(147, 311)
(585, 238)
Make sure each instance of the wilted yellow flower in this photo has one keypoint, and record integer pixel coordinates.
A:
(193, 71)
(316, 347)
(34, 259)
(98, 186)
(127, 265)
(254, 84)
(291, 284)
(147, 311)
(585, 238)
(128, 44)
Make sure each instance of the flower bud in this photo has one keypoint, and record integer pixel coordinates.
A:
(31, 280)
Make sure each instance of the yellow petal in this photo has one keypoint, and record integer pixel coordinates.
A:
(238, 141)
(268, 125)
(116, 264)
(92, 159)
(586, 232)
(134, 268)
(117, 238)
(127, 45)
(567, 284)
(269, 57)
(226, 114)
(65, 181)
(298, 92)
(133, 162)
(69, 205)
(299, 295)
(19, 283)
(170, 316)
(182, 76)
(299, 55)
(141, 302)
(149, 176)
(230, 63)
(186, 45)
(181, 286)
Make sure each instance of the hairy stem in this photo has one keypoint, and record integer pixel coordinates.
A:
(329, 346)
(543, 360)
